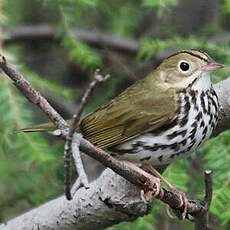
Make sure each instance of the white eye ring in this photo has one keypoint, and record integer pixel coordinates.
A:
(183, 66)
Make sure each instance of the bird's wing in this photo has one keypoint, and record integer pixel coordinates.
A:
(137, 110)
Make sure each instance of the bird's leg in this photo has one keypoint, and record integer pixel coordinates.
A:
(183, 198)
(145, 195)
(149, 168)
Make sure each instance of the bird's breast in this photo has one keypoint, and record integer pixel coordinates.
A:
(194, 123)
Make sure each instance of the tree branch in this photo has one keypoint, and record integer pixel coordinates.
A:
(97, 39)
(109, 200)
(71, 212)
(60, 103)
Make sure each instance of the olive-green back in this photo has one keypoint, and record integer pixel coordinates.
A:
(143, 107)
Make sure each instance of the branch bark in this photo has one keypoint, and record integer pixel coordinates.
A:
(97, 39)
(72, 141)
(201, 218)
(94, 38)
(109, 200)
(87, 209)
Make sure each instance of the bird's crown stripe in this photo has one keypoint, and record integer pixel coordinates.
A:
(190, 52)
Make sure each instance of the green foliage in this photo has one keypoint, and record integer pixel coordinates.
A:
(142, 223)
(81, 53)
(28, 156)
(44, 85)
(120, 22)
(2, 16)
(225, 6)
(149, 48)
(161, 3)
(78, 51)
(217, 159)
(176, 175)
(83, 3)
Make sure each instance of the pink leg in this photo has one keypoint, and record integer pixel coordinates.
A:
(152, 179)
(183, 199)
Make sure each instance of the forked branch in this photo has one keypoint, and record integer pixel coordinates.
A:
(72, 142)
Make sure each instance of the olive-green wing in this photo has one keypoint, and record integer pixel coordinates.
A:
(137, 110)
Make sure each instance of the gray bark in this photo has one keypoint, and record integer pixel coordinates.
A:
(109, 200)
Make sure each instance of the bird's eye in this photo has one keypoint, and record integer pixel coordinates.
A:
(184, 66)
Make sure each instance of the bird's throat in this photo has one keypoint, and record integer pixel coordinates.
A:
(203, 82)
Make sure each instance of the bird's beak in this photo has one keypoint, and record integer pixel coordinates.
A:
(212, 66)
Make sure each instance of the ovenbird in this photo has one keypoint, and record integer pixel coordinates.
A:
(160, 118)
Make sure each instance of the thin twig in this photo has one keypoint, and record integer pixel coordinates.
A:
(208, 187)
(135, 177)
(97, 79)
(82, 179)
(201, 218)
(67, 164)
(71, 145)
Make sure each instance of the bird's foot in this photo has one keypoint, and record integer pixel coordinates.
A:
(154, 184)
(181, 210)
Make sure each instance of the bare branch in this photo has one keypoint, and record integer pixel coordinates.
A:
(201, 218)
(95, 38)
(109, 200)
(208, 187)
(223, 91)
(62, 105)
(82, 179)
(97, 79)
(72, 143)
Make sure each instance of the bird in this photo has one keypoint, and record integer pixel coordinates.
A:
(160, 118)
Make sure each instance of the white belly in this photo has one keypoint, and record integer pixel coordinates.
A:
(194, 126)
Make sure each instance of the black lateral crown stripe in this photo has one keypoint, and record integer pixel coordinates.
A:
(191, 53)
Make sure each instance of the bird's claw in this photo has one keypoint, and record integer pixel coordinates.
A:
(181, 211)
(154, 184)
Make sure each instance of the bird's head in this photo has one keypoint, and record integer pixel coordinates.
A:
(187, 67)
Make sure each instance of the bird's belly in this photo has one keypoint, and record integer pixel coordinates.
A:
(193, 128)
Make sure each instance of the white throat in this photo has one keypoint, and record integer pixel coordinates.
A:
(203, 81)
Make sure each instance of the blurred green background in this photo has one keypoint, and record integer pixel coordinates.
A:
(58, 44)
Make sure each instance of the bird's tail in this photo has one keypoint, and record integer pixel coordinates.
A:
(38, 128)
